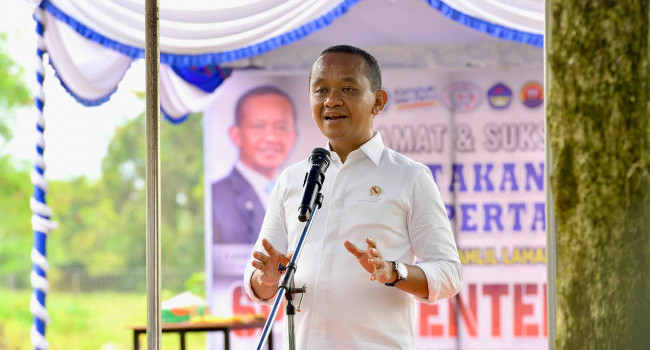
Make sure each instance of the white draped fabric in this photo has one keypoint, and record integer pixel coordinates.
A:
(524, 15)
(89, 70)
(197, 26)
(178, 97)
(92, 43)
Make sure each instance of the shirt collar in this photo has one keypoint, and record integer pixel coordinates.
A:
(373, 148)
(260, 183)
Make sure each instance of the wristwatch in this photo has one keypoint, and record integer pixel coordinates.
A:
(402, 273)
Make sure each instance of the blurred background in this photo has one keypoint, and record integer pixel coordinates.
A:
(99, 279)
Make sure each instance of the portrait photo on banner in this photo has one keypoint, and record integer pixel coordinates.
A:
(258, 124)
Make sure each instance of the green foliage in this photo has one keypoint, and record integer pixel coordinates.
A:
(82, 321)
(102, 223)
(15, 228)
(14, 91)
(15, 186)
(182, 194)
(87, 235)
(196, 284)
(598, 113)
(101, 229)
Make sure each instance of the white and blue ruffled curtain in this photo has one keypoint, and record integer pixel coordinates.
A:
(92, 43)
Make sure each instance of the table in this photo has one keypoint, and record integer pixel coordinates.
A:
(186, 327)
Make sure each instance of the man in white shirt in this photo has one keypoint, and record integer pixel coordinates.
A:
(264, 132)
(381, 212)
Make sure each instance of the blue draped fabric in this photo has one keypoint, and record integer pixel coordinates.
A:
(177, 60)
(200, 70)
(206, 78)
(496, 30)
(203, 70)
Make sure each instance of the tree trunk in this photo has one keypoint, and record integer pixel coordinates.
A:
(598, 117)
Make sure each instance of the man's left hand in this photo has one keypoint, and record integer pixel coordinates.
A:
(371, 259)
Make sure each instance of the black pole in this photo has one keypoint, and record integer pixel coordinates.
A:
(287, 288)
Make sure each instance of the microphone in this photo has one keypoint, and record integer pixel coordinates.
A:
(319, 161)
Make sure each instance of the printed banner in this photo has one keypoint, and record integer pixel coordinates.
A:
(482, 135)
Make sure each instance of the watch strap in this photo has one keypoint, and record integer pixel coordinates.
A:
(400, 276)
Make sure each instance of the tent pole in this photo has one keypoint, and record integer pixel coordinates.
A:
(551, 223)
(152, 135)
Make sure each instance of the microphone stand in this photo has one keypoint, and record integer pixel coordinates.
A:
(287, 288)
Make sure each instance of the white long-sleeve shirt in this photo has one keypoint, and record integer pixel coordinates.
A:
(376, 193)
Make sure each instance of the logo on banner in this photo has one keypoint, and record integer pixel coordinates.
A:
(499, 96)
(532, 94)
(415, 97)
(461, 97)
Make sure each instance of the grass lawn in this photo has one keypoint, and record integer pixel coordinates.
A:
(83, 321)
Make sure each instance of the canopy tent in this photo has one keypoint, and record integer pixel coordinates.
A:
(92, 44)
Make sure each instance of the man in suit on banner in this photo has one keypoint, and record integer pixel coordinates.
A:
(264, 132)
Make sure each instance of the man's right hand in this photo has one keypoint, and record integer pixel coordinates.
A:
(266, 278)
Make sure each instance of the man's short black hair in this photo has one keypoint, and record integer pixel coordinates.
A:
(257, 91)
(373, 72)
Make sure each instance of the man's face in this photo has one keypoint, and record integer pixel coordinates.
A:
(342, 101)
(266, 134)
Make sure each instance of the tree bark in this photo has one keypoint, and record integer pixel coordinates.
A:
(598, 104)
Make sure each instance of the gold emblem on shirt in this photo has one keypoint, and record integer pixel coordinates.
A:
(375, 191)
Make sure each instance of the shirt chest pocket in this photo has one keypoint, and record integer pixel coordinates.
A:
(380, 218)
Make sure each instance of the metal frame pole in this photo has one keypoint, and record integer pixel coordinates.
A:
(152, 135)
(286, 289)
(551, 224)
